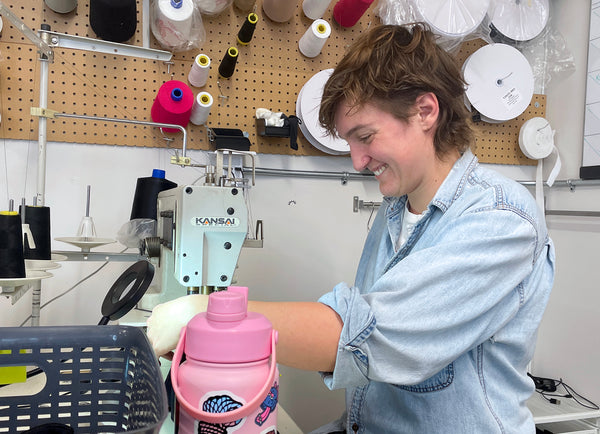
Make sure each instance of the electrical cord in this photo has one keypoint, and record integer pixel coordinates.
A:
(72, 287)
(551, 390)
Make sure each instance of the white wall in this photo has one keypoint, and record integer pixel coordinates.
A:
(312, 237)
(568, 340)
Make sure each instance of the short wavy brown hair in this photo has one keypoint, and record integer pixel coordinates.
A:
(390, 66)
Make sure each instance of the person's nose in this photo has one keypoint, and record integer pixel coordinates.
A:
(359, 156)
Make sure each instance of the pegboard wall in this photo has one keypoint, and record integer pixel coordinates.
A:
(270, 73)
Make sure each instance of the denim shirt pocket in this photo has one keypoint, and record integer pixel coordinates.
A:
(437, 382)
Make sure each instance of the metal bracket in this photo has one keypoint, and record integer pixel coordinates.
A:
(43, 112)
(358, 204)
(230, 179)
(257, 242)
(62, 40)
(345, 177)
(181, 161)
(43, 48)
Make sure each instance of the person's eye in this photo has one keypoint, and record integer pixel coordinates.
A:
(365, 138)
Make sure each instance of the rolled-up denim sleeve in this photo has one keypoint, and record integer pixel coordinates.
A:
(352, 363)
(407, 325)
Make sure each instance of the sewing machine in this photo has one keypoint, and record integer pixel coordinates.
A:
(200, 232)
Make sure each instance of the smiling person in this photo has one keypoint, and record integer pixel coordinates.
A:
(436, 333)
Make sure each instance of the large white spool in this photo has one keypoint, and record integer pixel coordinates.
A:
(519, 21)
(307, 109)
(499, 82)
(452, 18)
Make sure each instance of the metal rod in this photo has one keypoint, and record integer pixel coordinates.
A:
(358, 204)
(87, 202)
(40, 199)
(35, 303)
(311, 174)
(146, 23)
(571, 183)
(129, 121)
(573, 213)
(74, 255)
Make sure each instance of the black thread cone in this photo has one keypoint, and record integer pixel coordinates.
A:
(12, 262)
(113, 20)
(146, 194)
(227, 66)
(245, 34)
(38, 219)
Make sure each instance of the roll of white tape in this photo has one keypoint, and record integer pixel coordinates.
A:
(307, 109)
(536, 140)
(499, 82)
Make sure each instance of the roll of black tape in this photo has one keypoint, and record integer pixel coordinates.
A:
(12, 261)
(127, 291)
(146, 193)
(38, 219)
(113, 20)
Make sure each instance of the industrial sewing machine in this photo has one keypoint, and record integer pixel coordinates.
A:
(200, 232)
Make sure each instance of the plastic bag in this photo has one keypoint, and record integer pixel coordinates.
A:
(453, 21)
(134, 232)
(177, 24)
(529, 29)
(213, 7)
(527, 26)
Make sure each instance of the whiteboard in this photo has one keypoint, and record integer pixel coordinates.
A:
(591, 135)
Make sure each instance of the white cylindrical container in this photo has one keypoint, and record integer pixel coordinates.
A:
(314, 9)
(199, 72)
(173, 22)
(313, 40)
(201, 108)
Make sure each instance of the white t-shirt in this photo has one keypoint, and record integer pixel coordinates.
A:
(409, 221)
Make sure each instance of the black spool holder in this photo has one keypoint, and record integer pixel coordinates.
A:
(229, 138)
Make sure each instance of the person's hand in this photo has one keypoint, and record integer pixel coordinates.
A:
(167, 320)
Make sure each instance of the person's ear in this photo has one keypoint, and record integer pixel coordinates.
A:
(428, 110)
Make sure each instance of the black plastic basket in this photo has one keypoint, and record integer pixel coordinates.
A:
(96, 379)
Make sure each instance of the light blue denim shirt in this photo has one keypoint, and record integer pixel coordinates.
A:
(438, 335)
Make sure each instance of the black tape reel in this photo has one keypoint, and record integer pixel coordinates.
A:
(116, 304)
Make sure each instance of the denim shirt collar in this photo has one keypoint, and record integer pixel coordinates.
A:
(449, 190)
